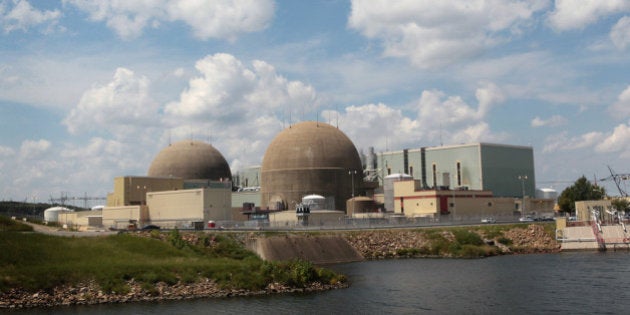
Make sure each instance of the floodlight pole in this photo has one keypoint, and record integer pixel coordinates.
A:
(351, 173)
(523, 178)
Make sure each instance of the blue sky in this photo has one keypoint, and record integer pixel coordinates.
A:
(90, 90)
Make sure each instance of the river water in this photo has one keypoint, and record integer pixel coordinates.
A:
(565, 283)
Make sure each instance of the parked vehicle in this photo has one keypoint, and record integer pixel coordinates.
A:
(150, 227)
(526, 219)
(488, 220)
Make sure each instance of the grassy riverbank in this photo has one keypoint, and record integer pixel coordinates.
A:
(32, 262)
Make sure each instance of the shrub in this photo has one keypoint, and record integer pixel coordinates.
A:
(176, 239)
(438, 247)
(472, 251)
(408, 252)
(465, 237)
(504, 240)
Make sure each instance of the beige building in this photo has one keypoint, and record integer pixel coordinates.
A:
(583, 209)
(124, 217)
(82, 219)
(132, 190)
(411, 200)
(190, 207)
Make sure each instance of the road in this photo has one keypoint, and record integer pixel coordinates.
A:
(51, 230)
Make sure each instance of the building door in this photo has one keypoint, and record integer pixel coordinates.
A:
(444, 205)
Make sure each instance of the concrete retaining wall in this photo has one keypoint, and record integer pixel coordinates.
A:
(316, 249)
(582, 238)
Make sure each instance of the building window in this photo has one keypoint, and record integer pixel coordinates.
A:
(411, 171)
(389, 171)
(434, 169)
(459, 174)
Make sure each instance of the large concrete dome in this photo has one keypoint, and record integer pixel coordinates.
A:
(190, 159)
(310, 158)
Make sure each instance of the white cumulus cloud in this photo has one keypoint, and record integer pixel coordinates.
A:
(577, 14)
(616, 141)
(225, 19)
(553, 121)
(621, 108)
(222, 19)
(6, 151)
(125, 101)
(31, 149)
(21, 15)
(238, 107)
(438, 33)
(439, 118)
(228, 90)
(620, 33)
(561, 142)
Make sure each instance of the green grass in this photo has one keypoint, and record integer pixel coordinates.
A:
(35, 261)
(7, 225)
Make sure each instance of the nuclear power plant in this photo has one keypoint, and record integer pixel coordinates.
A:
(313, 175)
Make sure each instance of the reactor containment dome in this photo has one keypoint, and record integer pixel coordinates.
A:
(310, 158)
(189, 159)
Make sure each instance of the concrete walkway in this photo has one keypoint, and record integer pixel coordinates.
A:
(50, 230)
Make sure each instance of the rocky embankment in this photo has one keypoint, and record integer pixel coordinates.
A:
(90, 293)
(532, 239)
(381, 244)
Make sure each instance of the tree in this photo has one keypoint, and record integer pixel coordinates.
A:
(620, 204)
(582, 189)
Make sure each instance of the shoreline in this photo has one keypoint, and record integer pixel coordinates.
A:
(90, 294)
(371, 244)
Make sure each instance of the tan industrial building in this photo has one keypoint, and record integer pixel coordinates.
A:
(190, 207)
(132, 190)
(411, 200)
(81, 220)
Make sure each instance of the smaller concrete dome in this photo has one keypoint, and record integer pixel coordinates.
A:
(189, 159)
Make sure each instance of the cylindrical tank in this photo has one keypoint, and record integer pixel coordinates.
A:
(388, 188)
(314, 202)
(52, 214)
(546, 193)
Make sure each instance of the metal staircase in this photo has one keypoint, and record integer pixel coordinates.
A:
(597, 230)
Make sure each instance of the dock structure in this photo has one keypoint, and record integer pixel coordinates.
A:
(593, 235)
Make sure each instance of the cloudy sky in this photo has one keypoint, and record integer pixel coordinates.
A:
(93, 89)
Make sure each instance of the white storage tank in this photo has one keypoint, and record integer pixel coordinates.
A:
(546, 193)
(52, 214)
(314, 202)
